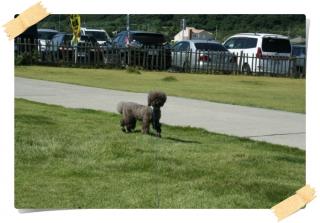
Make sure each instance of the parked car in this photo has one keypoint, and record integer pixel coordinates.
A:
(260, 52)
(100, 35)
(89, 50)
(299, 58)
(61, 45)
(44, 37)
(202, 55)
(147, 48)
(138, 39)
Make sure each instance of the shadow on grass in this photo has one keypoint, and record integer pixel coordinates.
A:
(181, 140)
(167, 138)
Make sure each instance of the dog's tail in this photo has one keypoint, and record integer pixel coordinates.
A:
(120, 107)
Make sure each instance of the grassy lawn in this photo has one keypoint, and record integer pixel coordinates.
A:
(79, 158)
(266, 92)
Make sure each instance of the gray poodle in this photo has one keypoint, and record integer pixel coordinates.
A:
(151, 114)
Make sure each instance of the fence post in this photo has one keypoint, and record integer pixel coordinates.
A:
(252, 57)
(164, 52)
(240, 63)
(156, 51)
(144, 57)
(304, 69)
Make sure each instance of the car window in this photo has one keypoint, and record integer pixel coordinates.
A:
(46, 35)
(116, 39)
(234, 43)
(121, 39)
(276, 45)
(230, 43)
(298, 51)
(247, 43)
(57, 39)
(54, 38)
(185, 46)
(241, 43)
(177, 46)
(210, 47)
(149, 38)
(67, 39)
(98, 35)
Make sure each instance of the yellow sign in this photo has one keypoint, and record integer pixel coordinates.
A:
(75, 26)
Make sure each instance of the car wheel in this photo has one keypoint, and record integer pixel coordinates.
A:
(186, 66)
(246, 69)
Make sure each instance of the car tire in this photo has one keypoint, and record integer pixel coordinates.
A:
(186, 67)
(246, 69)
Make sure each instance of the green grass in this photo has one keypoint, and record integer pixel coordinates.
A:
(266, 92)
(79, 158)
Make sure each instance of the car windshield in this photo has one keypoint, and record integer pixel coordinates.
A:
(46, 35)
(276, 45)
(66, 39)
(210, 47)
(89, 39)
(149, 38)
(298, 51)
(98, 35)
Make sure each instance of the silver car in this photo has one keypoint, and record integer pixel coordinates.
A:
(202, 55)
(45, 36)
(299, 58)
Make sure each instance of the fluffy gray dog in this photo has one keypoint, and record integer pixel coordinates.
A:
(131, 112)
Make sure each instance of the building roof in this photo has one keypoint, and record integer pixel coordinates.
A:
(194, 30)
(298, 40)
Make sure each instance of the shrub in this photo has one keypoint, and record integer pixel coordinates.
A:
(169, 79)
(133, 70)
(26, 58)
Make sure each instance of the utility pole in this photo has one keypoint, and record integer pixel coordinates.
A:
(128, 22)
(59, 24)
(128, 35)
(183, 27)
(216, 37)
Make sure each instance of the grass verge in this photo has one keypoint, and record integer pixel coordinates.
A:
(79, 158)
(266, 92)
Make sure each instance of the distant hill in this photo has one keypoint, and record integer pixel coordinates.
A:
(221, 26)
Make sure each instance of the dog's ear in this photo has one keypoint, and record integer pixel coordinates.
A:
(152, 97)
(156, 99)
(149, 99)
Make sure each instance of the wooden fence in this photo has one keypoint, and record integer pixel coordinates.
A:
(86, 54)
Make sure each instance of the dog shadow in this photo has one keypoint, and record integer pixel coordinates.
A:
(182, 140)
(167, 138)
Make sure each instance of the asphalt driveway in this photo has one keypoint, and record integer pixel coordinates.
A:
(268, 125)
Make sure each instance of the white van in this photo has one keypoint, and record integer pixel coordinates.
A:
(100, 35)
(44, 37)
(261, 52)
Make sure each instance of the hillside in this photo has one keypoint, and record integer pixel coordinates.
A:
(220, 25)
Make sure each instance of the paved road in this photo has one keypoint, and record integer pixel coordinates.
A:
(272, 126)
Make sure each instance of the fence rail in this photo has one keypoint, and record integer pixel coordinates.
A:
(86, 54)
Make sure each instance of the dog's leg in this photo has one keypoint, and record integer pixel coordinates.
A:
(122, 124)
(156, 114)
(126, 124)
(145, 126)
(131, 125)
